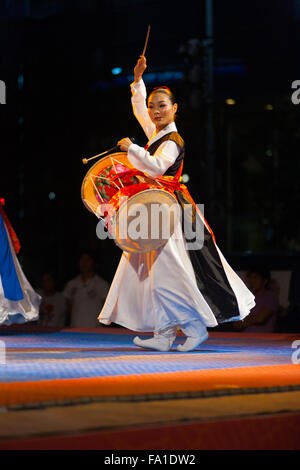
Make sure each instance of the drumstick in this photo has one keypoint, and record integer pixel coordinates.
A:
(146, 42)
(113, 149)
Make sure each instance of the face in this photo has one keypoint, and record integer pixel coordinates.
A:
(161, 110)
(86, 263)
(48, 283)
(256, 282)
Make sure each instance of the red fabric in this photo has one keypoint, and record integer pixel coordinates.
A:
(170, 184)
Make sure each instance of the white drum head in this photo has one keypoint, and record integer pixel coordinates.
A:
(146, 221)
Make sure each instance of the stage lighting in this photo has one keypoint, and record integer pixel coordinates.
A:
(185, 178)
(116, 71)
(230, 101)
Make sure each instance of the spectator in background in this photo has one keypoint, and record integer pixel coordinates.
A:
(262, 317)
(85, 294)
(291, 322)
(53, 308)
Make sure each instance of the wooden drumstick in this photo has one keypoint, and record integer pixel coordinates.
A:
(146, 42)
(113, 149)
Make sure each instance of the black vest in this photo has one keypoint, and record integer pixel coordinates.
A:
(175, 137)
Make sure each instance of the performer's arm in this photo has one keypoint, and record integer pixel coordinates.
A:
(166, 154)
(157, 164)
(139, 106)
(154, 165)
(139, 96)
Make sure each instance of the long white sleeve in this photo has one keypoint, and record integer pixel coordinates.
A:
(166, 154)
(138, 100)
(153, 165)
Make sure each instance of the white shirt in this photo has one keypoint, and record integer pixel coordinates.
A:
(53, 310)
(87, 300)
(167, 152)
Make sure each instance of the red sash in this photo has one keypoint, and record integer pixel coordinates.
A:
(173, 183)
(170, 183)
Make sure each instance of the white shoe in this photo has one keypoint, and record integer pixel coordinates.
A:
(191, 343)
(196, 333)
(160, 344)
(161, 341)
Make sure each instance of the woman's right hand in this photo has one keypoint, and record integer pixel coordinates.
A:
(140, 68)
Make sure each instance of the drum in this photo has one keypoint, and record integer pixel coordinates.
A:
(98, 185)
(139, 212)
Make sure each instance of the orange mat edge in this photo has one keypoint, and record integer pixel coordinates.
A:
(145, 384)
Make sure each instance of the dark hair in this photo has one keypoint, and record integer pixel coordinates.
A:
(50, 274)
(92, 255)
(166, 91)
(263, 273)
(89, 252)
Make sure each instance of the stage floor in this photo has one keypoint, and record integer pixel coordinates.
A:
(52, 383)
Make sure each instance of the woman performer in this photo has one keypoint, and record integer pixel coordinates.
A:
(173, 287)
(19, 303)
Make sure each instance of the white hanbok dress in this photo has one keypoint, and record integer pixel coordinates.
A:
(158, 290)
(19, 303)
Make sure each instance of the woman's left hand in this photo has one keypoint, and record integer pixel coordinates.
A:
(124, 144)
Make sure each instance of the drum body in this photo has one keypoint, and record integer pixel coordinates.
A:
(139, 213)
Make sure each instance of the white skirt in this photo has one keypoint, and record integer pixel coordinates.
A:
(156, 290)
(19, 311)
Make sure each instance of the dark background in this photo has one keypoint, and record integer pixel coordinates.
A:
(63, 103)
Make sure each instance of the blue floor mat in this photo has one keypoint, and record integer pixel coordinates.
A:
(65, 355)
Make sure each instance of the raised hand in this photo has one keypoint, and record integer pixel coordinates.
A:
(140, 68)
